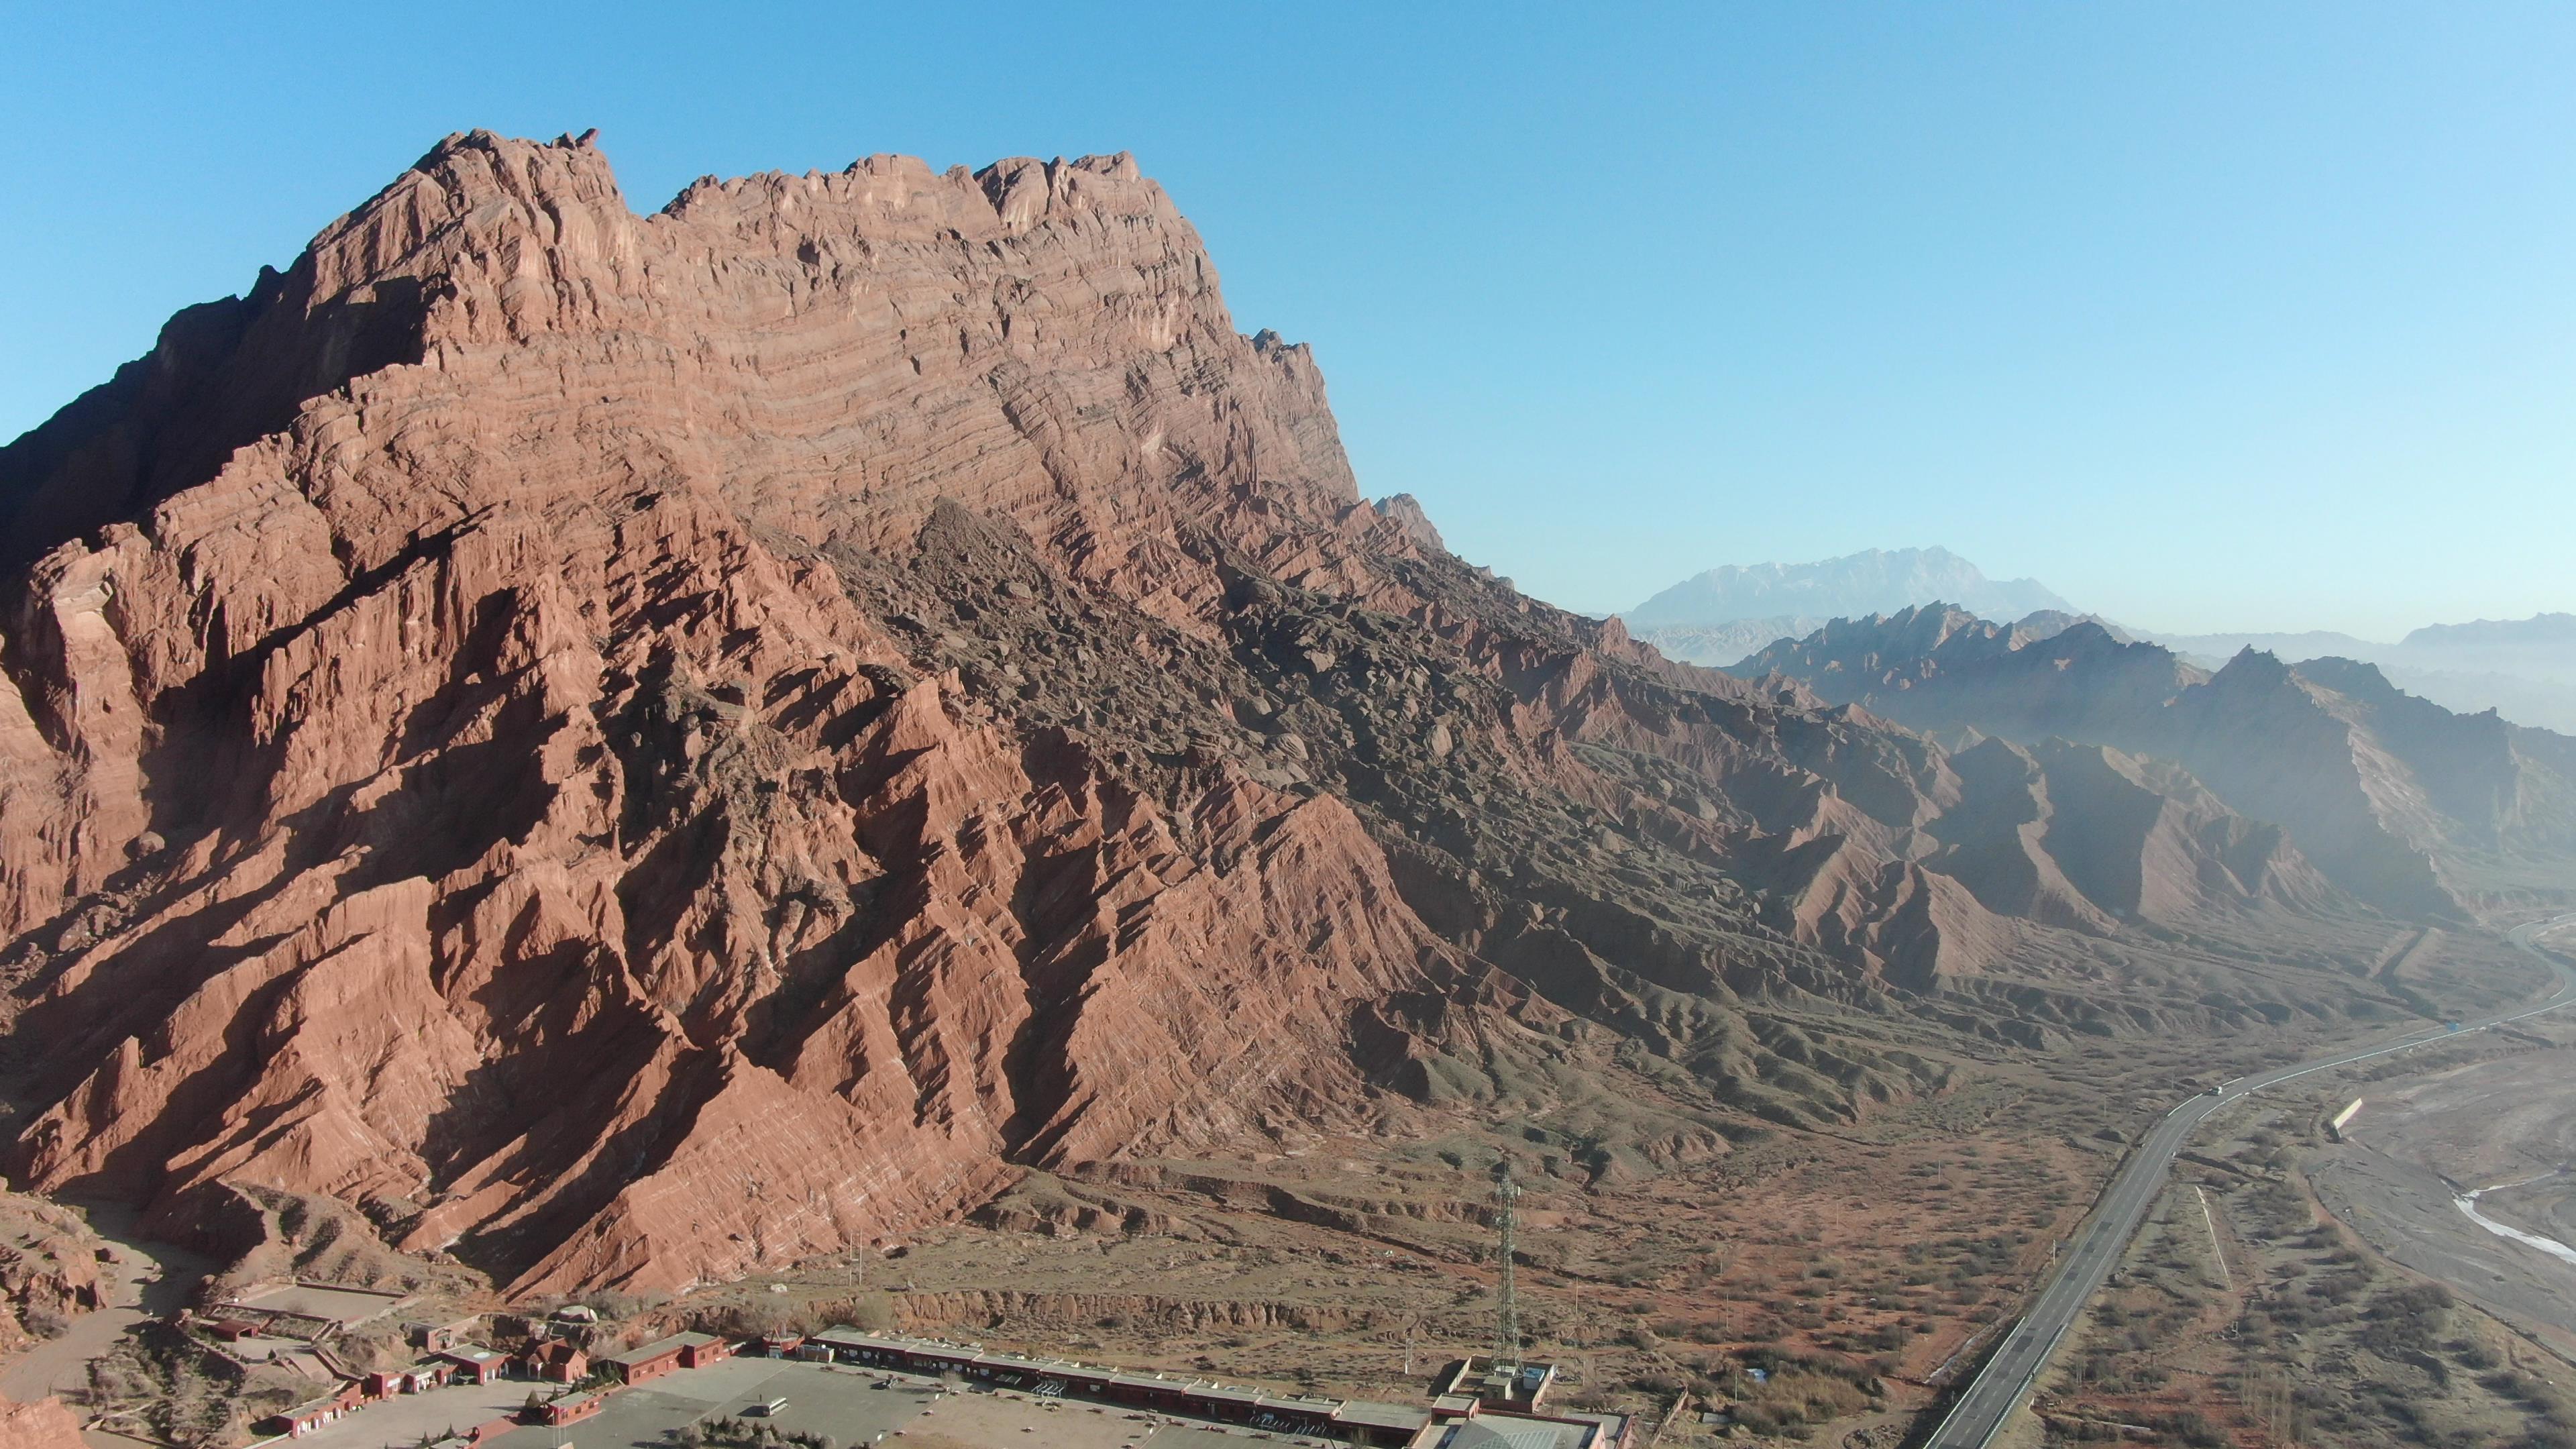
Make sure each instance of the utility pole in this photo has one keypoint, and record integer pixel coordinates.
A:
(1507, 1194)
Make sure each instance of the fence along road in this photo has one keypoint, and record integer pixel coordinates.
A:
(1977, 1415)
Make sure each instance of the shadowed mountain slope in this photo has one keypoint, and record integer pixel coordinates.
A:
(639, 749)
(2524, 669)
(2399, 801)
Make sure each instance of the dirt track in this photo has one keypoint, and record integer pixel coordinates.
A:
(148, 1279)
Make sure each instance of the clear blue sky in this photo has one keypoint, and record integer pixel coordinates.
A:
(2215, 315)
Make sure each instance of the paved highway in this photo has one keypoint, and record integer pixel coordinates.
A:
(1998, 1388)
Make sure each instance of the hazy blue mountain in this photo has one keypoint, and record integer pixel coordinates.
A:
(2407, 804)
(2524, 669)
(2548, 636)
(1876, 581)
(1719, 645)
(1719, 617)
(2213, 650)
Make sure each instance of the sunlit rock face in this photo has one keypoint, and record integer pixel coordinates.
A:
(639, 749)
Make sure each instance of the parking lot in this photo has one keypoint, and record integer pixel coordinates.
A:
(838, 1403)
(401, 1421)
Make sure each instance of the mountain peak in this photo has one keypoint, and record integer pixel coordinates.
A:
(2253, 668)
(1873, 581)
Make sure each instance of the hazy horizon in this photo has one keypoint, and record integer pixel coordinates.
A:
(2079, 605)
(2210, 319)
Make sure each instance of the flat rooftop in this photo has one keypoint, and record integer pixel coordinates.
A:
(659, 1347)
(1500, 1431)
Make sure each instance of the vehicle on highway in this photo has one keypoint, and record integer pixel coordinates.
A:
(1976, 1416)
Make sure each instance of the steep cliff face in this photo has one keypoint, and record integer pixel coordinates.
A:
(637, 749)
(480, 809)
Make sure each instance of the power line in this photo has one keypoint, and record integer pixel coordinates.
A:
(1507, 1334)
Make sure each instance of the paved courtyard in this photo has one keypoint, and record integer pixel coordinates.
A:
(336, 1305)
(844, 1403)
(403, 1420)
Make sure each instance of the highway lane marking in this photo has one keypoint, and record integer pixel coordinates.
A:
(2121, 1203)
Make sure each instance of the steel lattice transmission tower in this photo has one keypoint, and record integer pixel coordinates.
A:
(1507, 1332)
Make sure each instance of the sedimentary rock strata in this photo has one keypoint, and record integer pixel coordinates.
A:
(634, 749)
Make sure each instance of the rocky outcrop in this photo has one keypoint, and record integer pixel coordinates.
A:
(482, 814)
(2082, 835)
(44, 1424)
(636, 749)
(51, 1270)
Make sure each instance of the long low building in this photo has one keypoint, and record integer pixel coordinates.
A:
(1350, 1421)
(665, 1355)
(312, 1414)
(571, 1408)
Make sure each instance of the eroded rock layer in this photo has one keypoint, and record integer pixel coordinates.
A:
(638, 749)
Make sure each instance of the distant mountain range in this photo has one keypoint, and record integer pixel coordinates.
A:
(2409, 806)
(2524, 669)
(1873, 580)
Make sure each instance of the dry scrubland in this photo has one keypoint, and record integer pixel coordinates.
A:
(1668, 1246)
(1861, 1268)
(2263, 1319)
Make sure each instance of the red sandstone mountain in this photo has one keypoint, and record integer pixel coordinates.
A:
(637, 749)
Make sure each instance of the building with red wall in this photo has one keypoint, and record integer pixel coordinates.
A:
(667, 1355)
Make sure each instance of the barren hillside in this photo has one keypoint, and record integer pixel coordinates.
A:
(635, 749)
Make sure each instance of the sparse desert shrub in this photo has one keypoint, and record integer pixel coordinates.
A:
(2192, 1427)
(873, 1311)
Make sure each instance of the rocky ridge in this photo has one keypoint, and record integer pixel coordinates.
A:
(2397, 800)
(634, 750)
(2524, 669)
